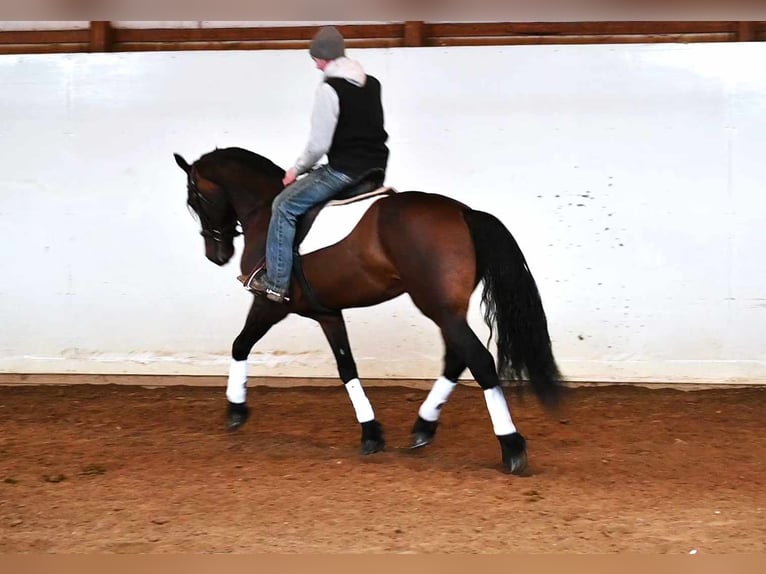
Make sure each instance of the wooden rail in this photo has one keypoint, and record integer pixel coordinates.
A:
(102, 36)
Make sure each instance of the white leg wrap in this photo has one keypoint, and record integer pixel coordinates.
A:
(236, 387)
(498, 411)
(359, 400)
(440, 392)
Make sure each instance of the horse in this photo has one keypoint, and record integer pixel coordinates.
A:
(432, 247)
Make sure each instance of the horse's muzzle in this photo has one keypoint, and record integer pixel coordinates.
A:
(218, 252)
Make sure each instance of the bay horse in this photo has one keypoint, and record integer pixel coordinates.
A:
(427, 245)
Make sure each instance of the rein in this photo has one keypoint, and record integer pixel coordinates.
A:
(196, 200)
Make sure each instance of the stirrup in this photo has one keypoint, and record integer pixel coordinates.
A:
(247, 278)
(254, 281)
(275, 296)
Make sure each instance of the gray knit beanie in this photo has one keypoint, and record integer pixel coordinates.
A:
(327, 44)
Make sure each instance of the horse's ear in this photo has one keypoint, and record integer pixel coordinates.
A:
(182, 163)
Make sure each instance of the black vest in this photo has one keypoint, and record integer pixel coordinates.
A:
(359, 142)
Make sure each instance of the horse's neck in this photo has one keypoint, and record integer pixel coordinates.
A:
(255, 226)
(252, 207)
(255, 230)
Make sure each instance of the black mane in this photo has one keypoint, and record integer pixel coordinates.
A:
(222, 156)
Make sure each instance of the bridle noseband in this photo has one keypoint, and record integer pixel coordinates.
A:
(197, 201)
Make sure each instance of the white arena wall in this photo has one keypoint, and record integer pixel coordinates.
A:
(631, 175)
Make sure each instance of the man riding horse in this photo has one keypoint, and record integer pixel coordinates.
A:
(347, 126)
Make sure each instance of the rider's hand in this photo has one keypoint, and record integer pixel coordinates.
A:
(290, 176)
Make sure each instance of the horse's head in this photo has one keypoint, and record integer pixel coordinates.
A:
(216, 213)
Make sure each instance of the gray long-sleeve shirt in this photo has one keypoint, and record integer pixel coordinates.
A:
(324, 115)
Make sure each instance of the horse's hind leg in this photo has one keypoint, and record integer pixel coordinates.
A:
(464, 341)
(424, 429)
(465, 349)
(334, 328)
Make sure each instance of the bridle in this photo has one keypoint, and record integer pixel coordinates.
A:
(198, 202)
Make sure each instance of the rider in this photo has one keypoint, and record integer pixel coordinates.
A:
(347, 126)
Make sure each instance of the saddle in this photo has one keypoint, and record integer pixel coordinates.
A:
(361, 188)
(365, 186)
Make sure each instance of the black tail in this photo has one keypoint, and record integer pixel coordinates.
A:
(513, 309)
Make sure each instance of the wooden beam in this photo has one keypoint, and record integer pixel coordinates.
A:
(413, 33)
(245, 45)
(745, 31)
(457, 30)
(44, 36)
(43, 48)
(100, 36)
(580, 39)
(265, 34)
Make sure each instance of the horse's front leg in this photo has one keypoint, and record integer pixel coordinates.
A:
(334, 328)
(262, 316)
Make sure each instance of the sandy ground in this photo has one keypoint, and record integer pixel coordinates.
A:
(137, 468)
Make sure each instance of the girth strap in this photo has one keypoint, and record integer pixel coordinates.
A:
(305, 285)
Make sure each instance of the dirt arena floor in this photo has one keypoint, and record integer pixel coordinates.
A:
(138, 469)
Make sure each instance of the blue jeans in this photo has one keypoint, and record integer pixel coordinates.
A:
(296, 199)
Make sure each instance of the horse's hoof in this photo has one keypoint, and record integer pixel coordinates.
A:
(517, 465)
(514, 450)
(236, 415)
(372, 437)
(372, 446)
(420, 439)
(423, 432)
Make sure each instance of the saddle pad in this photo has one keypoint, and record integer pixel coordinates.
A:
(335, 222)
